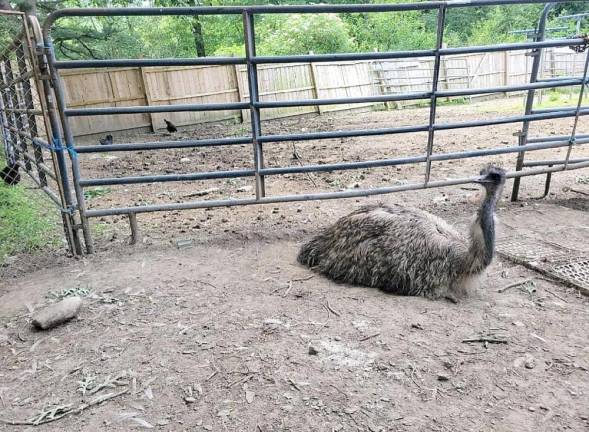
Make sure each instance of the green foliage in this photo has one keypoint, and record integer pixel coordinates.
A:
(27, 221)
(499, 24)
(392, 31)
(299, 34)
(189, 36)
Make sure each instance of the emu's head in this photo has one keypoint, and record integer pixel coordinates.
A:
(493, 179)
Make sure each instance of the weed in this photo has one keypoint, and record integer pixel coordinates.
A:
(28, 221)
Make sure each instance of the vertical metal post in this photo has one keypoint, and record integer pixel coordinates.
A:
(53, 134)
(547, 183)
(69, 142)
(28, 102)
(577, 112)
(135, 234)
(523, 135)
(434, 98)
(252, 79)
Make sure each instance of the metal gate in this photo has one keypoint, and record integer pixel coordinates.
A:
(25, 105)
(62, 143)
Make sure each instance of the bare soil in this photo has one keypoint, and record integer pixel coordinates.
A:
(217, 335)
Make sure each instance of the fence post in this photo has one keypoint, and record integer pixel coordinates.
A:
(445, 80)
(314, 82)
(506, 70)
(552, 63)
(252, 79)
(147, 93)
(238, 88)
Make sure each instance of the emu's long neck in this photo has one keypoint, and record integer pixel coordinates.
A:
(482, 235)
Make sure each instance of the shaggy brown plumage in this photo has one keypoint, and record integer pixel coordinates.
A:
(405, 250)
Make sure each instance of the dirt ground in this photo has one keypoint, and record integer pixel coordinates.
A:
(217, 335)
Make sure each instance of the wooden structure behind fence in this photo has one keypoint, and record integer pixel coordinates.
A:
(87, 88)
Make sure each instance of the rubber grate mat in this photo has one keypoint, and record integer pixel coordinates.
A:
(576, 269)
(567, 265)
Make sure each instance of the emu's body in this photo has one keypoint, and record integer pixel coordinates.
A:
(405, 250)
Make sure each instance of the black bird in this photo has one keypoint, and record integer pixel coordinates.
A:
(107, 140)
(10, 174)
(171, 127)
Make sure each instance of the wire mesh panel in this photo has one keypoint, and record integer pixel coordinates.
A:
(21, 111)
(569, 266)
(24, 123)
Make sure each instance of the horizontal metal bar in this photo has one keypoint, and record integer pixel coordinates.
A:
(419, 53)
(156, 109)
(26, 76)
(23, 111)
(356, 193)
(166, 178)
(579, 15)
(337, 101)
(18, 132)
(52, 195)
(556, 138)
(198, 61)
(342, 166)
(553, 162)
(40, 165)
(420, 128)
(514, 46)
(511, 88)
(286, 9)
(415, 159)
(342, 134)
(506, 120)
(558, 109)
(306, 58)
(417, 95)
(159, 145)
(562, 78)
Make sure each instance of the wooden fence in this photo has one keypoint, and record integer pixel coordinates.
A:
(86, 88)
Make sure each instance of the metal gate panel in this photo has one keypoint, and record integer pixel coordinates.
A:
(63, 145)
(24, 117)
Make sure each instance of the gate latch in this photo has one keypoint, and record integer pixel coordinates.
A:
(580, 48)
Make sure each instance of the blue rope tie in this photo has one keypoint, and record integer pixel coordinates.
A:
(57, 146)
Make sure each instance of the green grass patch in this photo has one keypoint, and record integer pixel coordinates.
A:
(96, 192)
(28, 221)
(561, 98)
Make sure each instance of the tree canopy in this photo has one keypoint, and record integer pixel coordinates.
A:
(190, 36)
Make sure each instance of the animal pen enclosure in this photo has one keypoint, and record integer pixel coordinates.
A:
(141, 100)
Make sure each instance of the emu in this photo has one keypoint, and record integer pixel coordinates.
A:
(407, 251)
